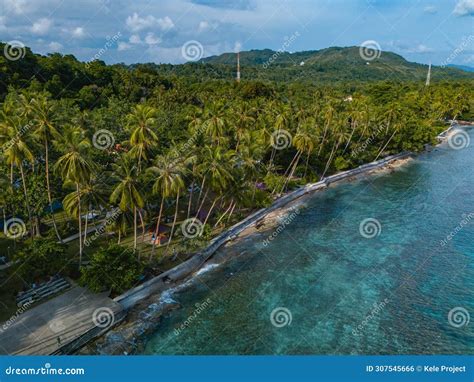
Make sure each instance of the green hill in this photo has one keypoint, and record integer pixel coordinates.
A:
(66, 77)
(331, 64)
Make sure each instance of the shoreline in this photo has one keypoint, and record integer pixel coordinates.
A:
(147, 303)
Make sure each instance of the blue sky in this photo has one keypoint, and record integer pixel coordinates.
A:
(155, 31)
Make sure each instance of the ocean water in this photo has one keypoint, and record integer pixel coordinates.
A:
(404, 285)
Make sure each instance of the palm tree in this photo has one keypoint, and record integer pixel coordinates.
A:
(215, 121)
(242, 121)
(127, 192)
(43, 115)
(143, 139)
(216, 166)
(329, 112)
(93, 194)
(168, 181)
(17, 148)
(303, 143)
(75, 166)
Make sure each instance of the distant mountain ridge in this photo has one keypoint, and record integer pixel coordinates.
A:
(335, 63)
(462, 67)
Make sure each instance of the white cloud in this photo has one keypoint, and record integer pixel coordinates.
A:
(41, 26)
(121, 46)
(421, 49)
(203, 26)
(78, 32)
(16, 6)
(55, 46)
(136, 23)
(135, 39)
(151, 39)
(431, 9)
(166, 23)
(464, 8)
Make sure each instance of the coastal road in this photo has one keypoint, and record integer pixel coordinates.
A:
(43, 329)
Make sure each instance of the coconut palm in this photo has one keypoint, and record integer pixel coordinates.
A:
(167, 173)
(75, 166)
(127, 193)
(92, 194)
(141, 122)
(215, 121)
(16, 148)
(216, 166)
(43, 114)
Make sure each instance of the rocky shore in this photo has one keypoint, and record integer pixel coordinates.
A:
(149, 302)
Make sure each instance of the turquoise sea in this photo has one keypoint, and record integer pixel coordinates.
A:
(404, 285)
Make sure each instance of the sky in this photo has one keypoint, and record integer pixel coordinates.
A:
(176, 31)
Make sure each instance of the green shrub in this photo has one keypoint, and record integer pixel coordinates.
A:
(113, 268)
(41, 258)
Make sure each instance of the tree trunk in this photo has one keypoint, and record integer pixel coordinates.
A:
(190, 200)
(80, 225)
(224, 214)
(231, 211)
(200, 191)
(324, 138)
(86, 225)
(48, 188)
(202, 203)
(383, 148)
(142, 224)
(157, 229)
(134, 228)
(210, 211)
(350, 138)
(334, 149)
(174, 223)
(297, 157)
(26, 198)
(306, 164)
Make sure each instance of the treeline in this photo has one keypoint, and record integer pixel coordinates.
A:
(163, 150)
